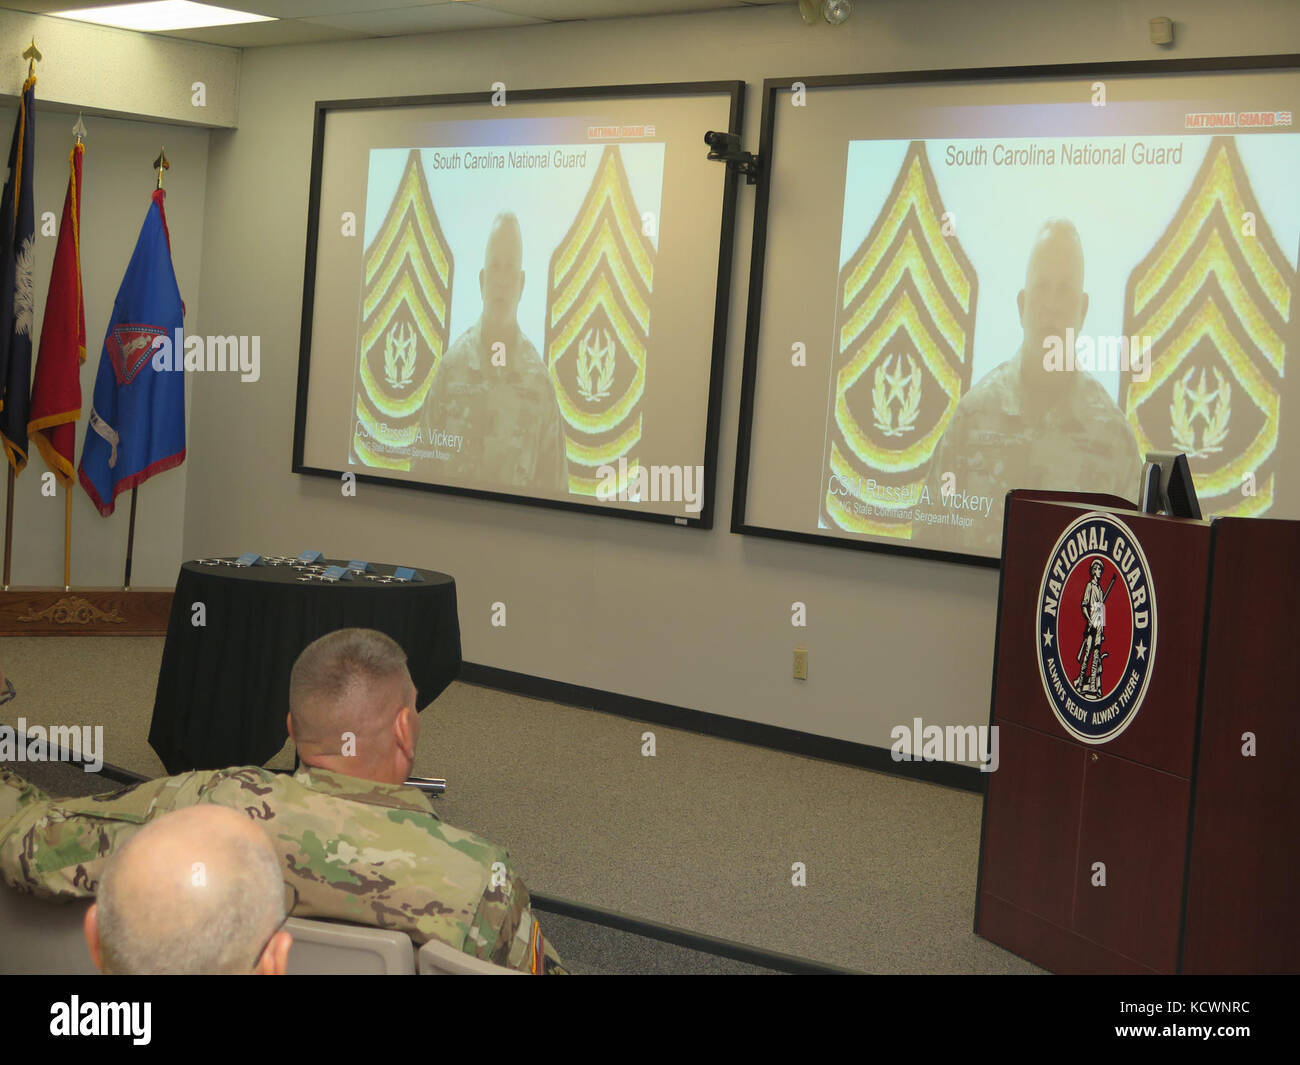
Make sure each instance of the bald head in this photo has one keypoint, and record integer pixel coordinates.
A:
(199, 890)
(352, 706)
(501, 281)
(505, 239)
(1053, 302)
(1056, 245)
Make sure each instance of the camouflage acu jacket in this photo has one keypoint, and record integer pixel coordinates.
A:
(355, 850)
(996, 442)
(493, 425)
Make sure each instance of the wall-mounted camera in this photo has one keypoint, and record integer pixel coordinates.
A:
(726, 148)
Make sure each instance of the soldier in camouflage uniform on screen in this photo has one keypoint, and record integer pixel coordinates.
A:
(503, 412)
(355, 843)
(1025, 426)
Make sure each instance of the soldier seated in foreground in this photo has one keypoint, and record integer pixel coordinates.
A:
(354, 842)
(196, 891)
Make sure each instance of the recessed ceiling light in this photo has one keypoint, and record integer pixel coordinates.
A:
(162, 15)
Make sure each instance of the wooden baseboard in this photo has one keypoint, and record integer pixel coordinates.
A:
(85, 612)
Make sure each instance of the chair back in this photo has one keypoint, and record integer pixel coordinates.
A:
(441, 959)
(328, 948)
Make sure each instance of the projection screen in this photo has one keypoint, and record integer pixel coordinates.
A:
(969, 282)
(521, 296)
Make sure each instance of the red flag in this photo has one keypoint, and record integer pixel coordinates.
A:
(56, 389)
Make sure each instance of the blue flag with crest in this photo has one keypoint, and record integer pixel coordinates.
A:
(137, 420)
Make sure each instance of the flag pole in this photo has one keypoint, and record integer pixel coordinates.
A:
(67, 539)
(130, 544)
(159, 165)
(79, 132)
(9, 524)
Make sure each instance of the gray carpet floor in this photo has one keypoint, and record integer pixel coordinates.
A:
(703, 836)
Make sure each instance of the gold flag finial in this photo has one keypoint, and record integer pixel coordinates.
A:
(33, 56)
(160, 164)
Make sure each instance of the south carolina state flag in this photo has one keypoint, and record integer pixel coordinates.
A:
(137, 419)
(17, 260)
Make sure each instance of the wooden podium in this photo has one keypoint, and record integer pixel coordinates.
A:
(1145, 814)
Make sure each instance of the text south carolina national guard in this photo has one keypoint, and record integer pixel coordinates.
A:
(354, 850)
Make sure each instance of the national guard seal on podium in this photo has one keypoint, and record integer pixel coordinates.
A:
(1096, 629)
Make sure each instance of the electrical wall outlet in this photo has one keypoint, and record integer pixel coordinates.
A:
(800, 664)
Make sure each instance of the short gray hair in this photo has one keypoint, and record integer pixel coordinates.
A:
(338, 665)
(221, 930)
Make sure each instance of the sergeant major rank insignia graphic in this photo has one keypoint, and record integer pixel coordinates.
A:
(904, 334)
(1214, 296)
(598, 326)
(1096, 628)
(405, 305)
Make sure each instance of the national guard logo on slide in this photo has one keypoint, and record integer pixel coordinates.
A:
(1096, 628)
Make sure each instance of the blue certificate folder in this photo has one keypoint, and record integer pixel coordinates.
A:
(338, 573)
(405, 573)
(308, 557)
(250, 558)
(357, 566)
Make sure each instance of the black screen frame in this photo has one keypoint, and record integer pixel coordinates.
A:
(772, 89)
(722, 292)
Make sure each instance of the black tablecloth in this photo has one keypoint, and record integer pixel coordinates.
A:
(223, 691)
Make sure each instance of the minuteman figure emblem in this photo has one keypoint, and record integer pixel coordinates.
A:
(1091, 656)
(1096, 627)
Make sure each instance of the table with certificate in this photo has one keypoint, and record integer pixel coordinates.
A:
(236, 631)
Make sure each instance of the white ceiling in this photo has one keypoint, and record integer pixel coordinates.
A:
(305, 21)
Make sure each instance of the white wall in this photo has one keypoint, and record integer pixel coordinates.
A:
(698, 619)
(107, 71)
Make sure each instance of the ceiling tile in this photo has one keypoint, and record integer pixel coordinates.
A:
(279, 9)
(308, 21)
(428, 19)
(598, 9)
(302, 9)
(265, 34)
